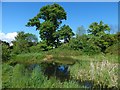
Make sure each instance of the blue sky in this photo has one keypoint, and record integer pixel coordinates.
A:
(15, 15)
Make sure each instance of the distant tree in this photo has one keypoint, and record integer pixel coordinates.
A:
(113, 29)
(80, 31)
(51, 16)
(98, 29)
(23, 41)
(31, 39)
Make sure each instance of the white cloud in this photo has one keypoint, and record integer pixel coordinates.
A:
(8, 37)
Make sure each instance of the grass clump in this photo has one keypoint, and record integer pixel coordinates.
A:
(29, 58)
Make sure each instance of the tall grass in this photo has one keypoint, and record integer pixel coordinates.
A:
(101, 73)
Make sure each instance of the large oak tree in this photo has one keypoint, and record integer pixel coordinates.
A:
(47, 21)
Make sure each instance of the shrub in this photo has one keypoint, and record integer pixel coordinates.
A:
(75, 44)
(114, 49)
(44, 47)
(91, 49)
(5, 52)
(34, 49)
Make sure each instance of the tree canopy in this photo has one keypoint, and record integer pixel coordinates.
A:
(98, 29)
(23, 41)
(47, 21)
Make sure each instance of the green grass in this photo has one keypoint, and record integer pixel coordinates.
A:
(64, 52)
(29, 58)
(64, 60)
(98, 58)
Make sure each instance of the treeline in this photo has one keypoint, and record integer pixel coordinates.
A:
(88, 44)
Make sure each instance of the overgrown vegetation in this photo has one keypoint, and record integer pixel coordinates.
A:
(83, 61)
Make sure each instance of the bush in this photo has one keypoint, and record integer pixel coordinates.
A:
(34, 49)
(44, 47)
(84, 43)
(114, 49)
(75, 44)
(91, 49)
(5, 52)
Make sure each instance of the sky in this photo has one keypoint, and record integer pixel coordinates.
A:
(15, 15)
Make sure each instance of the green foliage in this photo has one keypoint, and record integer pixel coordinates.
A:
(35, 49)
(40, 47)
(98, 29)
(52, 16)
(61, 51)
(23, 41)
(34, 22)
(44, 47)
(55, 13)
(71, 84)
(7, 71)
(20, 77)
(85, 44)
(104, 41)
(75, 44)
(47, 31)
(37, 78)
(91, 49)
(29, 58)
(65, 33)
(114, 49)
(5, 51)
